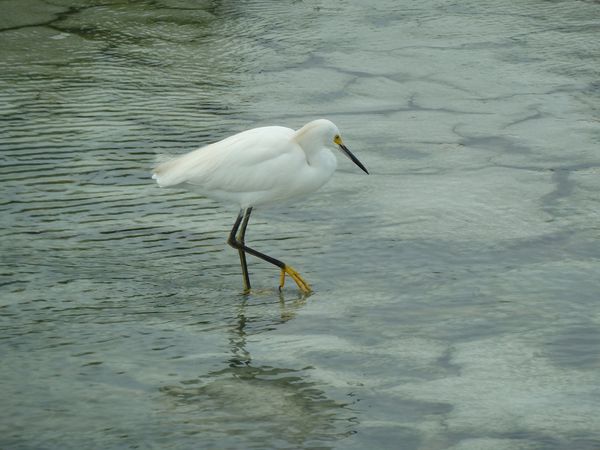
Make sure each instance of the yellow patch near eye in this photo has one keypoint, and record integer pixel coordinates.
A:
(337, 140)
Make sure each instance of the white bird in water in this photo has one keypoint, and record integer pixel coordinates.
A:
(256, 168)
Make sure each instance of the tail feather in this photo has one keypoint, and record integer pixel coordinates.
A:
(179, 170)
(162, 161)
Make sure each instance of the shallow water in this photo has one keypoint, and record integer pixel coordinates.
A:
(456, 287)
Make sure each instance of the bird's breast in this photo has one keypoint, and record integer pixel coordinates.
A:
(316, 172)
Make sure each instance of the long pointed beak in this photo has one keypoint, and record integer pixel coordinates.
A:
(354, 159)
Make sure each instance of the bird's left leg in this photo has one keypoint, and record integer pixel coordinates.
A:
(233, 240)
(241, 238)
(238, 242)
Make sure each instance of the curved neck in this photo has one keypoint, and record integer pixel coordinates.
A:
(310, 138)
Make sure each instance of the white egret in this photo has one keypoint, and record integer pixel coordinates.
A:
(255, 168)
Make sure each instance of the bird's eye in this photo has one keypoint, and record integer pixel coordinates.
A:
(337, 139)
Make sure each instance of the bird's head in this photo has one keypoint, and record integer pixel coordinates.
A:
(324, 132)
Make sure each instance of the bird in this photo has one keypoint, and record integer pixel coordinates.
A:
(257, 168)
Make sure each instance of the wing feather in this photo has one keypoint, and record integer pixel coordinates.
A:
(250, 161)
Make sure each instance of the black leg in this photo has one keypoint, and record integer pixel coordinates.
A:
(237, 241)
(241, 238)
(233, 241)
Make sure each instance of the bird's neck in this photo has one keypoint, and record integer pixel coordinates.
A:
(310, 140)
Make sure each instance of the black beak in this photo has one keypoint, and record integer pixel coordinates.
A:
(354, 159)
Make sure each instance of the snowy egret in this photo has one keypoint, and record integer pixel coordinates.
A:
(255, 168)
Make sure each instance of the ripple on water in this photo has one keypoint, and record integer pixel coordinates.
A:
(456, 285)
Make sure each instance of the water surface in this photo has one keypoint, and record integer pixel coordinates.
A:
(456, 287)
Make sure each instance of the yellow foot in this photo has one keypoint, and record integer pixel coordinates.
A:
(302, 285)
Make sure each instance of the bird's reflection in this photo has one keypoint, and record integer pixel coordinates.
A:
(260, 404)
(257, 324)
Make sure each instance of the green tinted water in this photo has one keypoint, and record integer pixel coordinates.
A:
(456, 287)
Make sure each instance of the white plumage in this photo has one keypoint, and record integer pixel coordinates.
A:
(256, 168)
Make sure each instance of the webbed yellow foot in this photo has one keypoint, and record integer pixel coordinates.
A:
(302, 285)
